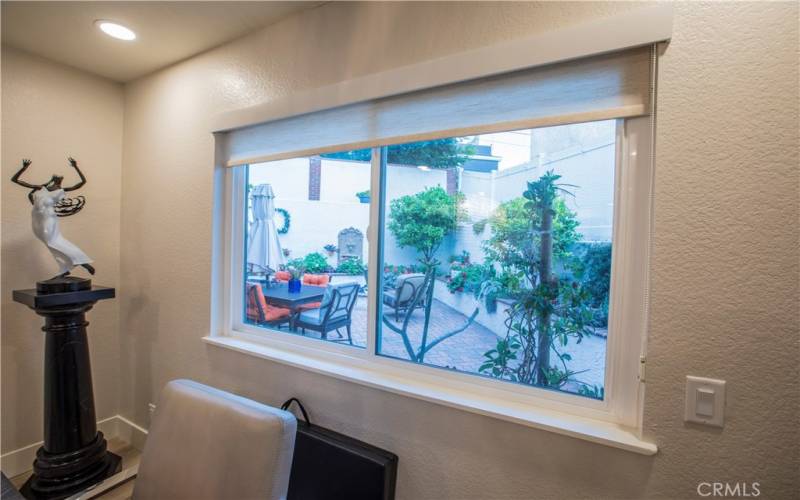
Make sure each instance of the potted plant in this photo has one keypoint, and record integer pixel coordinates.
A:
(363, 196)
(331, 249)
(458, 263)
(294, 282)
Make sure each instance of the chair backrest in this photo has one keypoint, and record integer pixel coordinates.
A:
(283, 275)
(205, 443)
(339, 300)
(316, 279)
(256, 303)
(407, 285)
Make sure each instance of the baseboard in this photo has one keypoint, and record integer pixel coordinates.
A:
(18, 461)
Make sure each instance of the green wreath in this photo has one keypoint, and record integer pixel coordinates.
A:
(287, 220)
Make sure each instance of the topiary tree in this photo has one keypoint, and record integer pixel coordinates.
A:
(423, 220)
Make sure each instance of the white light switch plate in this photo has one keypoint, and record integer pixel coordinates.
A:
(705, 401)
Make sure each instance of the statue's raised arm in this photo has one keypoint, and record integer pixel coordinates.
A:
(83, 178)
(16, 179)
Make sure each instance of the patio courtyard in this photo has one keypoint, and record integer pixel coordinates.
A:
(465, 351)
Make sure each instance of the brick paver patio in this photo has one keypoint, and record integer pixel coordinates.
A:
(465, 350)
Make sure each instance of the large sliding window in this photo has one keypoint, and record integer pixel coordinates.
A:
(488, 237)
(496, 254)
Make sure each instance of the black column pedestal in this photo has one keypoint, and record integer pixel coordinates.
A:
(74, 455)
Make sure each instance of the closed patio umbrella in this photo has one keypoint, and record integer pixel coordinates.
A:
(264, 252)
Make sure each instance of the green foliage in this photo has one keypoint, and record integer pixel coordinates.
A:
(363, 194)
(592, 266)
(295, 264)
(515, 240)
(438, 153)
(296, 268)
(422, 220)
(594, 391)
(315, 263)
(548, 310)
(470, 277)
(498, 360)
(392, 271)
(353, 267)
(462, 258)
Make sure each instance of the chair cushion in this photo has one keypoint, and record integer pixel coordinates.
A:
(405, 292)
(389, 298)
(276, 313)
(258, 310)
(283, 276)
(310, 305)
(316, 279)
(315, 316)
(205, 443)
(256, 304)
(311, 316)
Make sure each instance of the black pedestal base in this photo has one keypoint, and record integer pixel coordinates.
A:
(63, 284)
(59, 475)
(74, 456)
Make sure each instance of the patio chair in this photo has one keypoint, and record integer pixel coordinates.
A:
(401, 297)
(262, 313)
(314, 280)
(335, 311)
(283, 276)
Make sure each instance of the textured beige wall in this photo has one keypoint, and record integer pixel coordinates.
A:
(725, 270)
(49, 112)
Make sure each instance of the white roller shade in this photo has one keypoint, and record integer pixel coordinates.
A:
(601, 87)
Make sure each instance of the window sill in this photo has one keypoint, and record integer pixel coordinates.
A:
(588, 429)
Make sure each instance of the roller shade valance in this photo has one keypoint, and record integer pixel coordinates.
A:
(613, 85)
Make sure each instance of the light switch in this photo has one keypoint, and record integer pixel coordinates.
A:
(705, 400)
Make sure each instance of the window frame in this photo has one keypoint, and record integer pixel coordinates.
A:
(623, 400)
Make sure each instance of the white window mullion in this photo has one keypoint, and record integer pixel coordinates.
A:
(375, 255)
(628, 315)
(236, 233)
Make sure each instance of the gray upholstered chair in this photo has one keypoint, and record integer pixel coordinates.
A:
(205, 443)
(406, 287)
(335, 311)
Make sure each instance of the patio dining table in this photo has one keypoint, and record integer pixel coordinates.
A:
(277, 294)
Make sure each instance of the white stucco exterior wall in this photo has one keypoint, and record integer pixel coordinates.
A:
(724, 263)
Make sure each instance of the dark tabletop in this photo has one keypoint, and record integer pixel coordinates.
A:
(278, 294)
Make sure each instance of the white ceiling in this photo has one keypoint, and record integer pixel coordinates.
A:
(167, 32)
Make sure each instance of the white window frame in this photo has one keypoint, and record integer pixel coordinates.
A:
(616, 420)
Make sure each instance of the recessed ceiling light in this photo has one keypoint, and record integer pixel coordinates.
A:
(115, 30)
